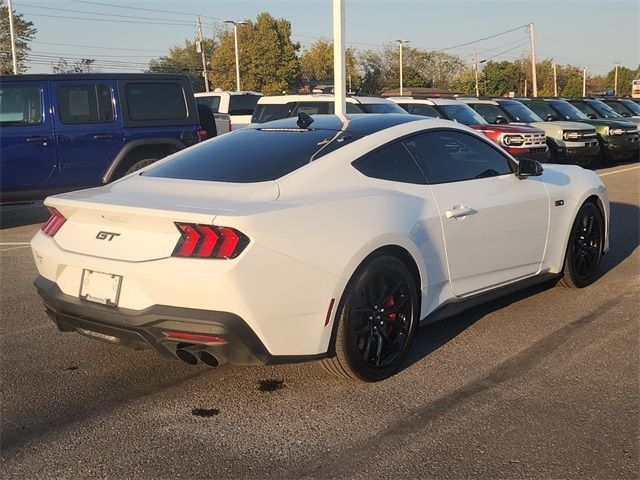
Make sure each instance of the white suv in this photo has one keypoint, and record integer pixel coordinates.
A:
(239, 105)
(282, 106)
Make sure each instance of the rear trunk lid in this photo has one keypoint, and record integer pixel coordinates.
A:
(135, 219)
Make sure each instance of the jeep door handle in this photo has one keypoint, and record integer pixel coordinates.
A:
(104, 136)
(459, 211)
(38, 139)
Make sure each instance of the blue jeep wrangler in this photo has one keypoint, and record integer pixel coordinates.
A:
(64, 132)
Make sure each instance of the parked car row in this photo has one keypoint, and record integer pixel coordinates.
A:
(65, 132)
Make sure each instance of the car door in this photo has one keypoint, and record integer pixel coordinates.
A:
(88, 130)
(495, 225)
(27, 149)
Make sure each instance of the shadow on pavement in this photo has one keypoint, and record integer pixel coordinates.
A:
(24, 214)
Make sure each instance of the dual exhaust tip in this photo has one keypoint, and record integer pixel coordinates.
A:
(192, 358)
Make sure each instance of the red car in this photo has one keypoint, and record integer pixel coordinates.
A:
(518, 140)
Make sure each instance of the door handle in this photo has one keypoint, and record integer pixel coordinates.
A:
(103, 136)
(38, 139)
(459, 211)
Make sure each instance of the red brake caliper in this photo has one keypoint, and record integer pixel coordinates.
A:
(388, 304)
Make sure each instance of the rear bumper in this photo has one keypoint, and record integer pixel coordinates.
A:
(144, 328)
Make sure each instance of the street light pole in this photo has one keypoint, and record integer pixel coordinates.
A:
(235, 39)
(584, 82)
(401, 43)
(13, 38)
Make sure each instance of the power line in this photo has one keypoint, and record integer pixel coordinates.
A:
(108, 20)
(506, 51)
(146, 9)
(98, 47)
(480, 39)
(98, 13)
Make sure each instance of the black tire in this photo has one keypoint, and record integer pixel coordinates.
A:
(371, 344)
(584, 249)
(140, 164)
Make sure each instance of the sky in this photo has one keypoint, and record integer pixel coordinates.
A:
(123, 35)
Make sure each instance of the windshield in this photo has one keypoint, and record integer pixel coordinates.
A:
(604, 110)
(521, 113)
(381, 108)
(631, 105)
(462, 113)
(568, 111)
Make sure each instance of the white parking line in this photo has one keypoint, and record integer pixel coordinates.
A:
(620, 171)
(6, 244)
(13, 248)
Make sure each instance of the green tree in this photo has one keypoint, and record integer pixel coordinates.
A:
(24, 33)
(185, 59)
(569, 81)
(316, 64)
(84, 65)
(625, 76)
(268, 58)
(371, 71)
(502, 77)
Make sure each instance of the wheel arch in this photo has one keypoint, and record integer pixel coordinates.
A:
(129, 150)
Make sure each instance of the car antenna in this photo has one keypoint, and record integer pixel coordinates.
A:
(304, 120)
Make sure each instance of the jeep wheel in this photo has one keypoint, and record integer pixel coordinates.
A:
(140, 164)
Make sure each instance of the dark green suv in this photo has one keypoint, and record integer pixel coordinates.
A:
(618, 138)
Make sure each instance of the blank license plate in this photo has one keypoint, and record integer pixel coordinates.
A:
(100, 287)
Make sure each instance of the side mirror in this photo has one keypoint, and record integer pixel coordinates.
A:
(499, 120)
(592, 116)
(527, 167)
(552, 118)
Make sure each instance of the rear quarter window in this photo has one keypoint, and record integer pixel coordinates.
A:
(156, 101)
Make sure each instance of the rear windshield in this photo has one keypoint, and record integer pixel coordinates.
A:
(252, 155)
(381, 108)
(212, 102)
(243, 104)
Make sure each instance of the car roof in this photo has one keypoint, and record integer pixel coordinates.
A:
(475, 100)
(226, 92)
(317, 97)
(425, 101)
(364, 124)
(33, 77)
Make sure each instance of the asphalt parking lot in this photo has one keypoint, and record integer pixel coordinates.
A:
(541, 384)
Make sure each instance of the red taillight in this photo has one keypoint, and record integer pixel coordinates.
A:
(55, 222)
(203, 134)
(208, 241)
(196, 337)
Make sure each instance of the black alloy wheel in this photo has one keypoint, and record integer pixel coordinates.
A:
(585, 247)
(377, 320)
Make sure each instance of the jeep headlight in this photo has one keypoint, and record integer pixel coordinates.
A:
(571, 136)
(512, 140)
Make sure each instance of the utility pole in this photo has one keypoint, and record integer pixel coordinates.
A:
(13, 38)
(555, 80)
(339, 64)
(475, 68)
(584, 82)
(534, 79)
(235, 40)
(200, 46)
(615, 81)
(401, 43)
(525, 87)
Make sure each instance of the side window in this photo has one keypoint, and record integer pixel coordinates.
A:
(392, 162)
(212, 102)
(20, 105)
(156, 101)
(585, 108)
(542, 110)
(353, 108)
(488, 112)
(449, 156)
(85, 103)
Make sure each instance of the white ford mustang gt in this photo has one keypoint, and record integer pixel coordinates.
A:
(311, 238)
